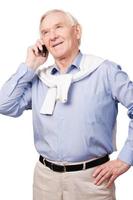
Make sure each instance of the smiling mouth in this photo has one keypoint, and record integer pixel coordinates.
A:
(55, 45)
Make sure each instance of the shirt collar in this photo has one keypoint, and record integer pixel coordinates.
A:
(75, 64)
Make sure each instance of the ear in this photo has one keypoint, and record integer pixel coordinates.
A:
(78, 31)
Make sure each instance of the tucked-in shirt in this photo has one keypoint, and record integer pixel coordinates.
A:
(82, 128)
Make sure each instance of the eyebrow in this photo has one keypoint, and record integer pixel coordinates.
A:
(43, 30)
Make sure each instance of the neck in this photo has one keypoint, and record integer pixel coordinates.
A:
(64, 62)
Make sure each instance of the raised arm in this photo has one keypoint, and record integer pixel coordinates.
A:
(15, 95)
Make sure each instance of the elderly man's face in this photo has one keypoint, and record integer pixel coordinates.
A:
(59, 35)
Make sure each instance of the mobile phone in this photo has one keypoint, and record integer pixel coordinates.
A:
(44, 51)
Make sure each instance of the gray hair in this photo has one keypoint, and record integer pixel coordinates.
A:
(72, 19)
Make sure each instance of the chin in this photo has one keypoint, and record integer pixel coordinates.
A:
(59, 54)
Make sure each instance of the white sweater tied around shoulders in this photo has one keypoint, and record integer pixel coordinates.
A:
(58, 86)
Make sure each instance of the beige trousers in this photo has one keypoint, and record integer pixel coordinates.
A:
(78, 185)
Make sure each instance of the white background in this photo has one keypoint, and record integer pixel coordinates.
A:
(107, 32)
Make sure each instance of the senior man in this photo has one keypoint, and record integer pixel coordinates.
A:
(74, 104)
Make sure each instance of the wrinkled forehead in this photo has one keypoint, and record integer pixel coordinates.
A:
(55, 18)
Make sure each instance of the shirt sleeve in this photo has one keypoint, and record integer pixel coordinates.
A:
(122, 91)
(15, 95)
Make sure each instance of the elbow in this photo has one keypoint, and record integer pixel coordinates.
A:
(12, 110)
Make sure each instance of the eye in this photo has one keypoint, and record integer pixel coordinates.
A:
(58, 26)
(44, 33)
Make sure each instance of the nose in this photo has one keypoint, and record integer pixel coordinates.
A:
(53, 36)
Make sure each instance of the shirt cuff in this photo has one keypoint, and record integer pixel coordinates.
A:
(126, 154)
(23, 69)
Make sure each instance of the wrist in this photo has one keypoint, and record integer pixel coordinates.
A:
(31, 65)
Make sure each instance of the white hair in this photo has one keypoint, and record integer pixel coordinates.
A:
(71, 18)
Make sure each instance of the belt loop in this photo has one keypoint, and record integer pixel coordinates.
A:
(84, 165)
(44, 161)
(64, 168)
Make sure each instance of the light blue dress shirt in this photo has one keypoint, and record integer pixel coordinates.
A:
(84, 127)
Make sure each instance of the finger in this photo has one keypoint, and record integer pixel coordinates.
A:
(32, 49)
(35, 50)
(104, 172)
(39, 46)
(97, 171)
(102, 179)
(100, 175)
(111, 181)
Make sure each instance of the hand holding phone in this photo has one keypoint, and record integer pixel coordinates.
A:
(33, 60)
(44, 51)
